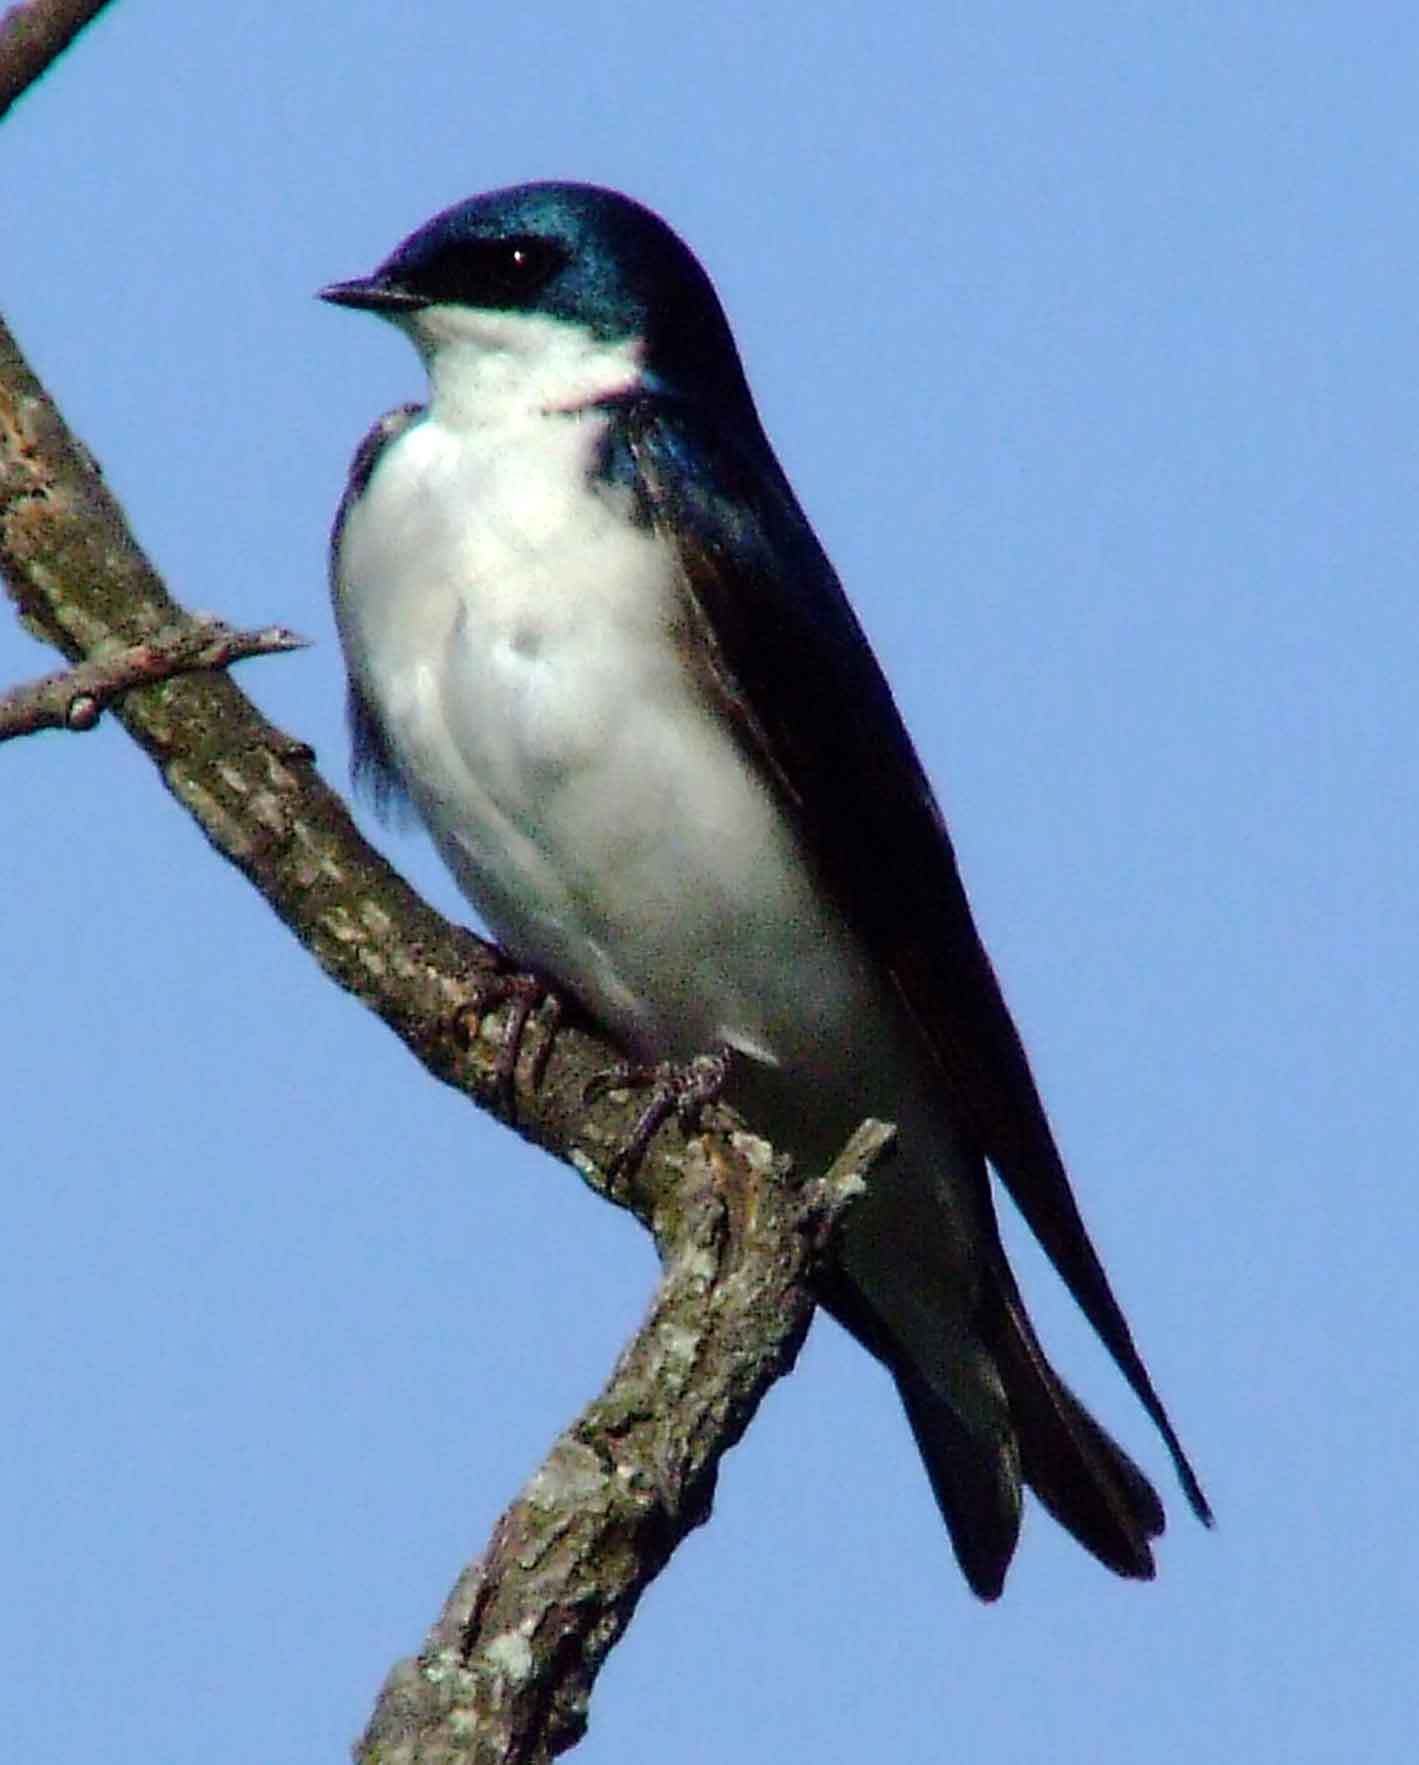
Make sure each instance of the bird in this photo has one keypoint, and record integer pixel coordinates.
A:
(593, 641)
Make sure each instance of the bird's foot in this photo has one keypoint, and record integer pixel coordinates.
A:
(526, 994)
(682, 1088)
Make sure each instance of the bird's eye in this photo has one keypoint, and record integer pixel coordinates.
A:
(525, 260)
(489, 272)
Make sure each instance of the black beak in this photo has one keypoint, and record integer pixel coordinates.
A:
(369, 294)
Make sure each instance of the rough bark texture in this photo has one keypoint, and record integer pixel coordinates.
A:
(507, 1671)
(33, 35)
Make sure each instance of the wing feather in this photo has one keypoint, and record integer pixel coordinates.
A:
(787, 652)
(373, 766)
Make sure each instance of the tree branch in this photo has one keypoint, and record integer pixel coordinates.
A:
(33, 35)
(513, 1657)
(75, 697)
(508, 1668)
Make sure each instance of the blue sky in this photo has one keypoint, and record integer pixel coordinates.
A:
(1087, 336)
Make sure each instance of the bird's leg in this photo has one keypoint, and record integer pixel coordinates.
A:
(525, 994)
(682, 1088)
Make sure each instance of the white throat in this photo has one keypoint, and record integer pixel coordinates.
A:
(487, 367)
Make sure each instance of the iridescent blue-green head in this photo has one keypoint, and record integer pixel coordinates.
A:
(574, 253)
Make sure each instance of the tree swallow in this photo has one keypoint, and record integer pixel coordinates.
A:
(592, 638)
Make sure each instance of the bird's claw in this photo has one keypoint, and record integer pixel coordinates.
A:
(525, 994)
(682, 1088)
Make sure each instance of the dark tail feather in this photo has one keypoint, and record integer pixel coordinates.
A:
(976, 1484)
(1085, 1479)
(1026, 1427)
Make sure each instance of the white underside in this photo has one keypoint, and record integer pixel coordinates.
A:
(521, 639)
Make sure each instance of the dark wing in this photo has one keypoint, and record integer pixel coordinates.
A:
(788, 653)
(373, 765)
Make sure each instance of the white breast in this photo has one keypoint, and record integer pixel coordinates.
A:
(520, 636)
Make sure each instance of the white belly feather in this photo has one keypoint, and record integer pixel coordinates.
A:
(519, 636)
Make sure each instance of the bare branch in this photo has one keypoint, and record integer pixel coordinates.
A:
(33, 34)
(508, 1669)
(75, 698)
(507, 1672)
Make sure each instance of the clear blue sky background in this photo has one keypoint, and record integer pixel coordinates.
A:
(1087, 335)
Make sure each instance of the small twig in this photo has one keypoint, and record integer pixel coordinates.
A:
(33, 35)
(76, 697)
